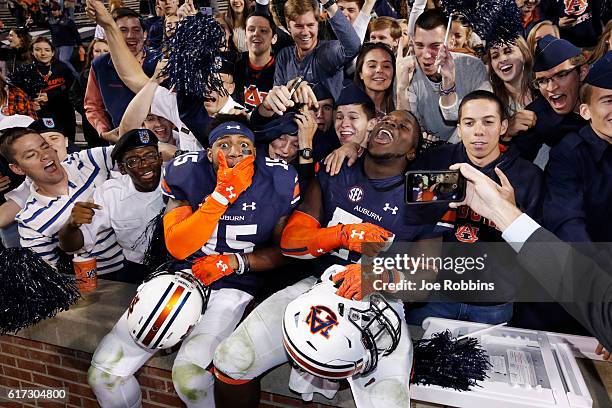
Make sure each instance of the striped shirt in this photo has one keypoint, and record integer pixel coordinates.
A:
(42, 217)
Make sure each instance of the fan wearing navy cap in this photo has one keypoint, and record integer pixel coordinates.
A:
(291, 138)
(125, 204)
(578, 189)
(325, 112)
(227, 207)
(559, 69)
(355, 117)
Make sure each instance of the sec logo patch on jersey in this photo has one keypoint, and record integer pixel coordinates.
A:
(355, 194)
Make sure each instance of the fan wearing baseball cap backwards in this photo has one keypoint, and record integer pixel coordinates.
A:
(559, 69)
(124, 205)
(226, 205)
(362, 204)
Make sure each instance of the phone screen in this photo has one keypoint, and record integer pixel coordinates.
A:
(426, 186)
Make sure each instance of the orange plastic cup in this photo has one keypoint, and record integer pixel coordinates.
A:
(86, 273)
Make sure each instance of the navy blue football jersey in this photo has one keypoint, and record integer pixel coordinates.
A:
(352, 198)
(249, 223)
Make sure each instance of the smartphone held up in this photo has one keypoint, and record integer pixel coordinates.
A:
(441, 186)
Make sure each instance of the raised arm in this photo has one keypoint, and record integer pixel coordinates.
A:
(138, 109)
(348, 44)
(127, 66)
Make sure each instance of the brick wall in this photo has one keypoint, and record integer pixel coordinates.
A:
(31, 364)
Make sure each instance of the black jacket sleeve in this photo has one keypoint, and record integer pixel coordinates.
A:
(576, 281)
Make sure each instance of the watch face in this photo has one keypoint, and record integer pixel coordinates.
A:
(306, 153)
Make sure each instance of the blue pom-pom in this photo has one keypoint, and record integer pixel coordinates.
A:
(28, 79)
(508, 25)
(495, 21)
(193, 64)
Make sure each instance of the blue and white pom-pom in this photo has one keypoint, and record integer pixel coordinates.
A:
(495, 21)
(193, 64)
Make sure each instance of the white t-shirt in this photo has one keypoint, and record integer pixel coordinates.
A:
(127, 212)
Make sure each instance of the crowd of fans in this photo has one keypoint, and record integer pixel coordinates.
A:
(318, 84)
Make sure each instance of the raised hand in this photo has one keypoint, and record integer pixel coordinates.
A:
(231, 182)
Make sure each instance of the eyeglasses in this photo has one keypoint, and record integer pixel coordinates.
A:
(541, 83)
(149, 158)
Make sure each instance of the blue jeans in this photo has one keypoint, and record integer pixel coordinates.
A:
(461, 311)
(64, 53)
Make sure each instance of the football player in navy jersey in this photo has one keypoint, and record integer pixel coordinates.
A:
(227, 206)
(362, 204)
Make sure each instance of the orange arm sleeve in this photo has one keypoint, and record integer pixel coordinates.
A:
(304, 238)
(186, 231)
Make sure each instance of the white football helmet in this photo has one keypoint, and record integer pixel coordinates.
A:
(166, 307)
(335, 338)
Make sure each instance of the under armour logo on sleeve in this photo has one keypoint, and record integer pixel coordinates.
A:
(357, 234)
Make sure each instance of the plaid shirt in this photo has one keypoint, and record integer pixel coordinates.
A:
(18, 103)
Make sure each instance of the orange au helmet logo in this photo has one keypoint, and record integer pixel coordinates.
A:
(321, 320)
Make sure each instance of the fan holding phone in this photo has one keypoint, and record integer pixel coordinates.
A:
(482, 121)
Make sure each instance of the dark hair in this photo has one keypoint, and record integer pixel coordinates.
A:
(481, 94)
(263, 15)
(430, 19)
(359, 2)
(230, 16)
(9, 137)
(24, 36)
(89, 56)
(42, 39)
(223, 118)
(366, 48)
(122, 12)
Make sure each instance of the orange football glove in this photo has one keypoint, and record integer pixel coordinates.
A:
(353, 236)
(356, 285)
(351, 282)
(304, 238)
(231, 182)
(211, 268)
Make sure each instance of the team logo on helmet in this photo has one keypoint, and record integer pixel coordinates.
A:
(48, 122)
(355, 194)
(467, 233)
(321, 320)
(144, 136)
(133, 303)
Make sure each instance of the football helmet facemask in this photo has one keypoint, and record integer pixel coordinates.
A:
(335, 338)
